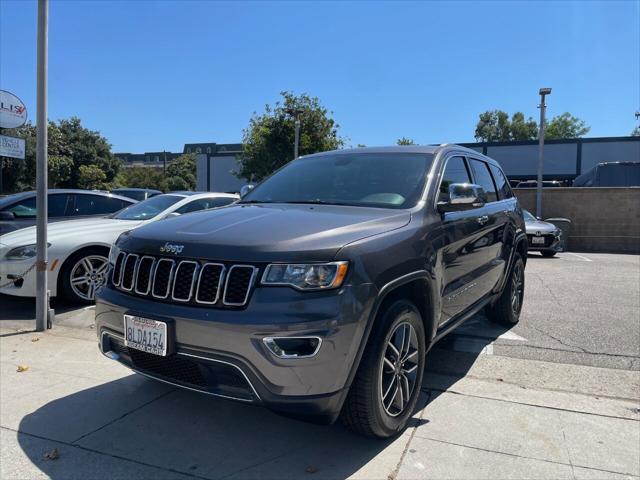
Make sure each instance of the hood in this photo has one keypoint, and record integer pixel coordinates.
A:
(540, 226)
(266, 232)
(102, 229)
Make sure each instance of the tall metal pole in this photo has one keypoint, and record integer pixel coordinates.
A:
(297, 139)
(42, 294)
(543, 107)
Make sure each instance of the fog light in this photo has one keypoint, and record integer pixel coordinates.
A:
(293, 347)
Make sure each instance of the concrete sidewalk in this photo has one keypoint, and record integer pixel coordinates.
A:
(479, 417)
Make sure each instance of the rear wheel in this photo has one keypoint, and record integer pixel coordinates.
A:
(82, 273)
(506, 310)
(387, 385)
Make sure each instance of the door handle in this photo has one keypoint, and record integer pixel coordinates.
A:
(483, 219)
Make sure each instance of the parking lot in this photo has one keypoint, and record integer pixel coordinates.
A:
(557, 396)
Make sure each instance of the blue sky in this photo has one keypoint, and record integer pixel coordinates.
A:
(154, 75)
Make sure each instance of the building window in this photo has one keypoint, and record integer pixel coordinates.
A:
(198, 150)
(188, 149)
(209, 150)
(156, 158)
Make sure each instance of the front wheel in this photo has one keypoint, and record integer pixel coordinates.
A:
(387, 385)
(548, 253)
(82, 274)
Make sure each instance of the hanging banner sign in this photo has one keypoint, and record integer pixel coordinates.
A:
(13, 113)
(12, 147)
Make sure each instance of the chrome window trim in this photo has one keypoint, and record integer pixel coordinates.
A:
(193, 277)
(112, 334)
(151, 272)
(153, 289)
(220, 281)
(133, 277)
(251, 282)
(124, 254)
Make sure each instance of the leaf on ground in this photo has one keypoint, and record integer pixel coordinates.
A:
(52, 455)
(35, 339)
(311, 469)
(22, 368)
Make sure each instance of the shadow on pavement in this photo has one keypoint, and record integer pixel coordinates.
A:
(23, 308)
(207, 437)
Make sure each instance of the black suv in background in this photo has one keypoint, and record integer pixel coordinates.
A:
(319, 294)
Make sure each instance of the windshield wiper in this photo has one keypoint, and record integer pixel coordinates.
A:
(317, 201)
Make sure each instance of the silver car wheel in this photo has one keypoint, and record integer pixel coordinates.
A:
(399, 369)
(87, 275)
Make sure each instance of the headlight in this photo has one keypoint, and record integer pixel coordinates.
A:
(311, 276)
(23, 253)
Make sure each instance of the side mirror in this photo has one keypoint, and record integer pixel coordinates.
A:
(246, 189)
(7, 216)
(463, 196)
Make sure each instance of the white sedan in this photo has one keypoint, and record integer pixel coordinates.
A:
(78, 250)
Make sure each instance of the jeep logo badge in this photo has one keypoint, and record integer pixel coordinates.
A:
(171, 248)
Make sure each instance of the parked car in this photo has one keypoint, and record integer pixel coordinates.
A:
(79, 249)
(19, 210)
(611, 174)
(543, 237)
(137, 193)
(321, 291)
(545, 184)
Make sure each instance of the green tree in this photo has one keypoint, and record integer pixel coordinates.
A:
(521, 129)
(405, 141)
(67, 138)
(181, 173)
(142, 177)
(60, 168)
(268, 140)
(636, 132)
(91, 177)
(493, 126)
(566, 126)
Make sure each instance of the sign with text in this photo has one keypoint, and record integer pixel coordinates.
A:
(13, 113)
(12, 147)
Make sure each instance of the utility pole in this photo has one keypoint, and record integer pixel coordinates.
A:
(164, 163)
(297, 138)
(42, 291)
(543, 92)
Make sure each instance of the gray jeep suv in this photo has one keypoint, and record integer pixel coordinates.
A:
(319, 294)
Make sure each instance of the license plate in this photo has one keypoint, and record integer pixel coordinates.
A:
(145, 334)
(537, 240)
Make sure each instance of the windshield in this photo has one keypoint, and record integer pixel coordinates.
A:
(387, 180)
(528, 217)
(148, 208)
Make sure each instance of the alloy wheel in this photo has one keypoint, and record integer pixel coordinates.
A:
(399, 369)
(87, 275)
(517, 288)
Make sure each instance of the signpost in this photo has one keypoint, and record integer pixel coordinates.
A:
(12, 147)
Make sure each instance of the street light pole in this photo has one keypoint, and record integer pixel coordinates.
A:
(296, 141)
(42, 291)
(543, 92)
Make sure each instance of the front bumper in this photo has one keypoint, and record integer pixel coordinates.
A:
(20, 284)
(551, 242)
(221, 352)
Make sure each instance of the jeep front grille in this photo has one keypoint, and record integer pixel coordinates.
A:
(184, 281)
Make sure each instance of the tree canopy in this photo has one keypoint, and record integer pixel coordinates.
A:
(495, 126)
(180, 175)
(70, 146)
(405, 141)
(267, 142)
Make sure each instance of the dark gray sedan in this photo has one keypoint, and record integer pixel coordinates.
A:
(543, 236)
(19, 210)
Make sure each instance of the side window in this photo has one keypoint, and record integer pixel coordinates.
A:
(455, 172)
(57, 204)
(484, 179)
(504, 189)
(204, 204)
(96, 205)
(221, 202)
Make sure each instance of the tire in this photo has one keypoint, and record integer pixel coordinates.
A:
(548, 253)
(378, 376)
(75, 267)
(506, 310)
